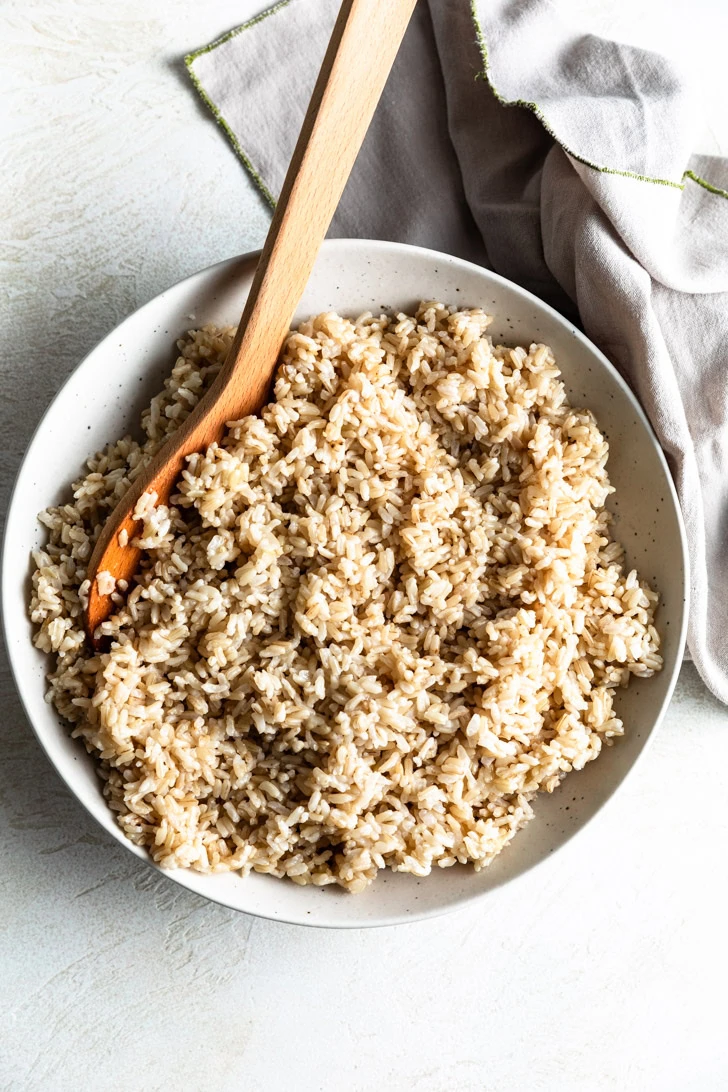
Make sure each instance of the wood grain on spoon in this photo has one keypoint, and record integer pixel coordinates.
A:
(361, 52)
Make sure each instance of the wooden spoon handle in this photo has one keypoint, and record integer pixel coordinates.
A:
(361, 51)
(360, 54)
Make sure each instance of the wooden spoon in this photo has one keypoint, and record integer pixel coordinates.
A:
(361, 52)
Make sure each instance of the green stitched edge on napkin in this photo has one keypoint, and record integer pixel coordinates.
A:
(189, 61)
(705, 184)
(536, 109)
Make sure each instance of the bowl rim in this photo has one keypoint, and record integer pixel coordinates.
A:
(324, 921)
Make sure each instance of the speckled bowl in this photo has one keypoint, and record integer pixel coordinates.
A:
(103, 399)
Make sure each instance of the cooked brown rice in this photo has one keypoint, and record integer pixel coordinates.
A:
(372, 623)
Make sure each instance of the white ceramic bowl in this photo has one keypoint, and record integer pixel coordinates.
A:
(103, 399)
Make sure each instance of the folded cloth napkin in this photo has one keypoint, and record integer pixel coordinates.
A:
(562, 161)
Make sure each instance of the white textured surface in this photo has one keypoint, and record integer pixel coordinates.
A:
(603, 970)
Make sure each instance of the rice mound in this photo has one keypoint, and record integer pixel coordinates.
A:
(372, 623)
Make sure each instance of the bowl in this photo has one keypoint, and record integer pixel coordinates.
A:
(104, 398)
